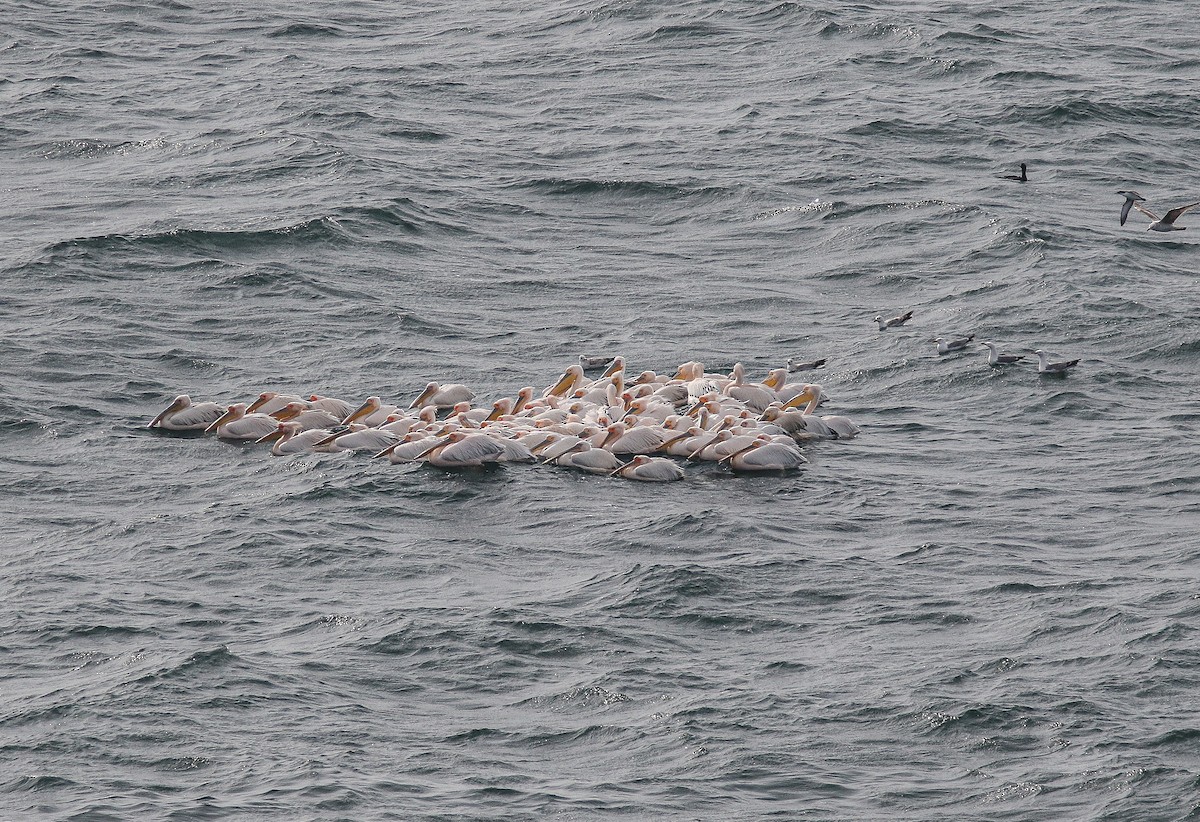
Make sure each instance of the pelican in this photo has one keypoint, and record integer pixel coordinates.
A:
(443, 396)
(182, 415)
(1020, 178)
(955, 344)
(290, 439)
(839, 426)
(584, 457)
(566, 383)
(766, 454)
(794, 364)
(756, 397)
(650, 469)
(777, 382)
(1131, 197)
(1167, 223)
(410, 448)
(1045, 366)
(893, 322)
(463, 450)
(358, 438)
(339, 408)
(996, 358)
(306, 418)
(269, 402)
(237, 424)
(640, 439)
(371, 413)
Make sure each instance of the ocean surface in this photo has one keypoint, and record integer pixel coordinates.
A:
(985, 607)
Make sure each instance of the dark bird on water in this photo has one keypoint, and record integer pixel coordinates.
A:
(1021, 178)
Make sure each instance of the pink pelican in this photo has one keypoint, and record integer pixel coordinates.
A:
(371, 413)
(237, 424)
(269, 402)
(182, 415)
(443, 396)
(766, 454)
(650, 469)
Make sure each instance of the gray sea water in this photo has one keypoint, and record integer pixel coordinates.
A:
(983, 608)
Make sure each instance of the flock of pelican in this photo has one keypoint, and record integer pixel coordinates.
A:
(645, 427)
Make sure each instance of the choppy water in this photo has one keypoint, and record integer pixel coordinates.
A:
(983, 608)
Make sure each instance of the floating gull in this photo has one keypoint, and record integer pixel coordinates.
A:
(1131, 197)
(893, 322)
(1020, 178)
(1047, 367)
(996, 358)
(592, 363)
(800, 365)
(1167, 223)
(957, 344)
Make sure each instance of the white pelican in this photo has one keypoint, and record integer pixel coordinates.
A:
(1045, 366)
(236, 424)
(1167, 223)
(339, 408)
(182, 415)
(463, 450)
(650, 469)
(945, 346)
(371, 413)
(996, 358)
(584, 457)
(1131, 197)
(443, 396)
(290, 439)
(796, 424)
(410, 448)
(358, 438)
(777, 381)
(639, 439)
(306, 418)
(893, 322)
(566, 383)
(269, 402)
(840, 427)
(765, 454)
(754, 396)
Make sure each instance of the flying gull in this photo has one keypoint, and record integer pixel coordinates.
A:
(1167, 223)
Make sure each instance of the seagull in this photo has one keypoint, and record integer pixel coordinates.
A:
(884, 325)
(1047, 367)
(592, 363)
(958, 344)
(996, 358)
(798, 365)
(1019, 178)
(1131, 197)
(1167, 223)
